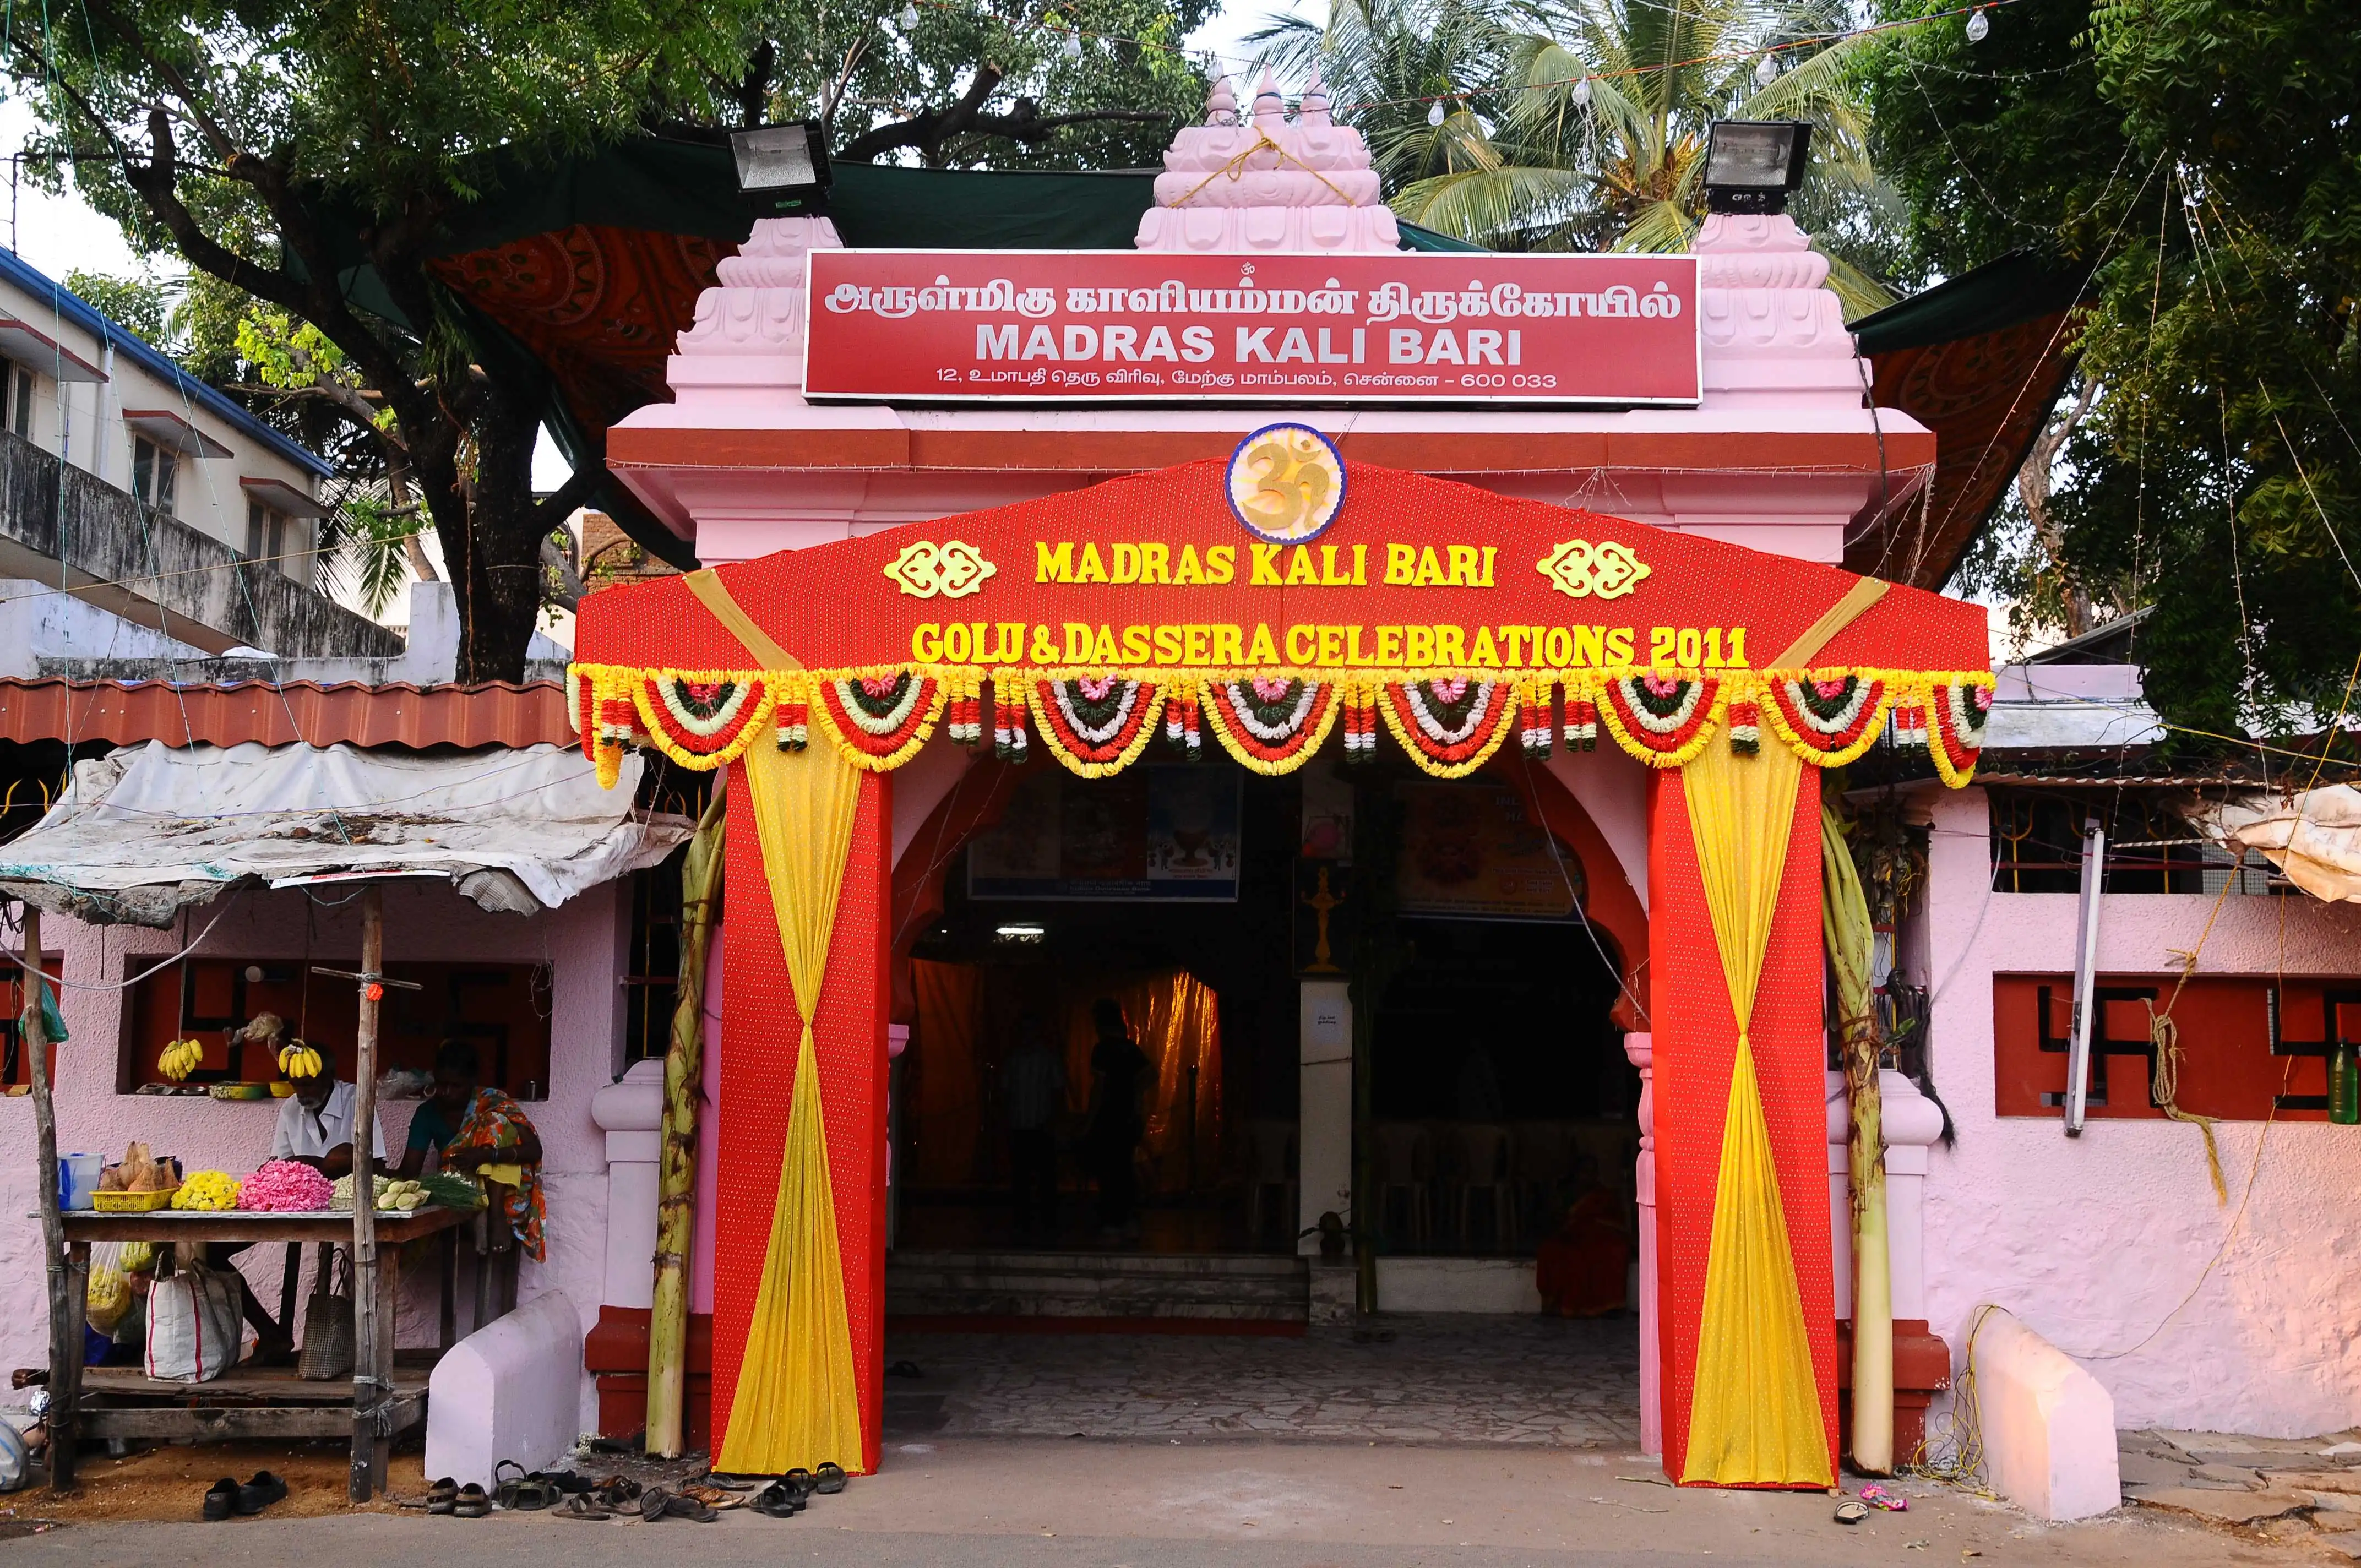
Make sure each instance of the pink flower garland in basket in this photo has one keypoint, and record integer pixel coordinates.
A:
(284, 1185)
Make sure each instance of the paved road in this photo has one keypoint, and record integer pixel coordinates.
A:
(1050, 1503)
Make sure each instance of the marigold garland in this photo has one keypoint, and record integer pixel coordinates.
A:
(1095, 725)
(1271, 724)
(879, 716)
(1452, 727)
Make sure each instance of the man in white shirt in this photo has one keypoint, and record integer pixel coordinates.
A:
(316, 1122)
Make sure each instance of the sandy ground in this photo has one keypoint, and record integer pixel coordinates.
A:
(1138, 1505)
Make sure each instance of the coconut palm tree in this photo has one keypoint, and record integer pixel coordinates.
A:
(1580, 125)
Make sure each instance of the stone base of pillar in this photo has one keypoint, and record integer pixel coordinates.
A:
(1922, 1369)
(1335, 1294)
(616, 1352)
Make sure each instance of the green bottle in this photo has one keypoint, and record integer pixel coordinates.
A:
(2343, 1086)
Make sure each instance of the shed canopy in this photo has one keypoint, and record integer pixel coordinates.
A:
(144, 832)
(2314, 837)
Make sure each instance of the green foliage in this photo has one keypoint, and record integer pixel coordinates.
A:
(1529, 161)
(2201, 157)
(142, 304)
(913, 92)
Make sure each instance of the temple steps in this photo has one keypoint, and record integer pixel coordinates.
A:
(1244, 1287)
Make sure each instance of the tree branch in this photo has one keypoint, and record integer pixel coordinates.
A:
(1027, 126)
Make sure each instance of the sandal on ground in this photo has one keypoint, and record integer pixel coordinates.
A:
(618, 1492)
(651, 1505)
(712, 1497)
(260, 1493)
(472, 1503)
(681, 1505)
(569, 1482)
(829, 1478)
(581, 1506)
(776, 1501)
(221, 1498)
(441, 1495)
(729, 1481)
(1851, 1512)
(522, 1492)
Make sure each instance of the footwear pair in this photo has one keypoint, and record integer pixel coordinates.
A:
(228, 1495)
(655, 1503)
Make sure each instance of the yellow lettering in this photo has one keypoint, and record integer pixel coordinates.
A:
(1618, 645)
(1738, 647)
(1490, 551)
(1262, 649)
(1485, 654)
(1134, 644)
(1390, 645)
(1168, 644)
(1300, 643)
(1008, 649)
(1053, 564)
(1155, 563)
(1659, 646)
(1360, 565)
(958, 642)
(1429, 570)
(1188, 573)
(1045, 650)
(1689, 649)
(1331, 645)
(1420, 640)
(1559, 648)
(1330, 576)
(1514, 638)
(1353, 654)
(926, 642)
(1078, 643)
(1401, 565)
(1300, 571)
(1465, 570)
(1196, 641)
(1589, 646)
(1092, 569)
(1221, 563)
(1102, 651)
(1227, 643)
(1266, 568)
(1127, 563)
(1448, 649)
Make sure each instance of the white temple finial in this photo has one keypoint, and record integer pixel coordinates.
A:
(1220, 107)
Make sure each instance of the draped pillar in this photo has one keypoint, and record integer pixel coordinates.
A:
(800, 1257)
(1747, 1341)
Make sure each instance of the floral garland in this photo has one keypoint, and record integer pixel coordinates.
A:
(879, 717)
(702, 719)
(1663, 721)
(1449, 721)
(1450, 726)
(1271, 724)
(1827, 719)
(1956, 739)
(1095, 725)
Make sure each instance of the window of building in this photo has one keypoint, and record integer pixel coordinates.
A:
(278, 540)
(2037, 845)
(16, 400)
(155, 474)
(502, 1009)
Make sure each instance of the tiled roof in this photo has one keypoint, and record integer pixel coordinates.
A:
(130, 712)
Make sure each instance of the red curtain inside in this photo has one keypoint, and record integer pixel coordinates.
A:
(967, 1023)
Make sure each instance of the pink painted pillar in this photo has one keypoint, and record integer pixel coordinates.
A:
(1641, 1049)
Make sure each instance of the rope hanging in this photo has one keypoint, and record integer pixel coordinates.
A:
(2165, 1035)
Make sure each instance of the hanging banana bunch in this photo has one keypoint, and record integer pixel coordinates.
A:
(297, 1059)
(180, 1058)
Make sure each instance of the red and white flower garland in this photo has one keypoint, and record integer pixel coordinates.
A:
(1271, 724)
(702, 719)
(1095, 725)
(1450, 726)
(1663, 721)
(1829, 719)
(1956, 737)
(879, 717)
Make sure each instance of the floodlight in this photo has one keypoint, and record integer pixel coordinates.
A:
(1752, 165)
(783, 169)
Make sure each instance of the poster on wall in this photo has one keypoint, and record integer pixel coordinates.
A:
(1468, 852)
(1146, 835)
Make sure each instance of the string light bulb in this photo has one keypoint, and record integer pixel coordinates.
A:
(1073, 45)
(910, 16)
(1978, 25)
(1767, 71)
(1434, 112)
(1582, 94)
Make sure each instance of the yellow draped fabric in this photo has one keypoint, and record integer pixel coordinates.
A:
(797, 1403)
(1755, 1416)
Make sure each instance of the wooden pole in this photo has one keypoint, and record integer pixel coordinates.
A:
(65, 1323)
(370, 1371)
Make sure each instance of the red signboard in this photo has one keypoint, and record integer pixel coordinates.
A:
(1094, 326)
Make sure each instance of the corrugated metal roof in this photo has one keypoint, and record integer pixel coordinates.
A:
(299, 712)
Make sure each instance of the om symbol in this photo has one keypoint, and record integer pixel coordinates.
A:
(1285, 483)
(953, 569)
(1580, 569)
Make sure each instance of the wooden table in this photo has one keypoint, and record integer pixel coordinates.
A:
(264, 1402)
